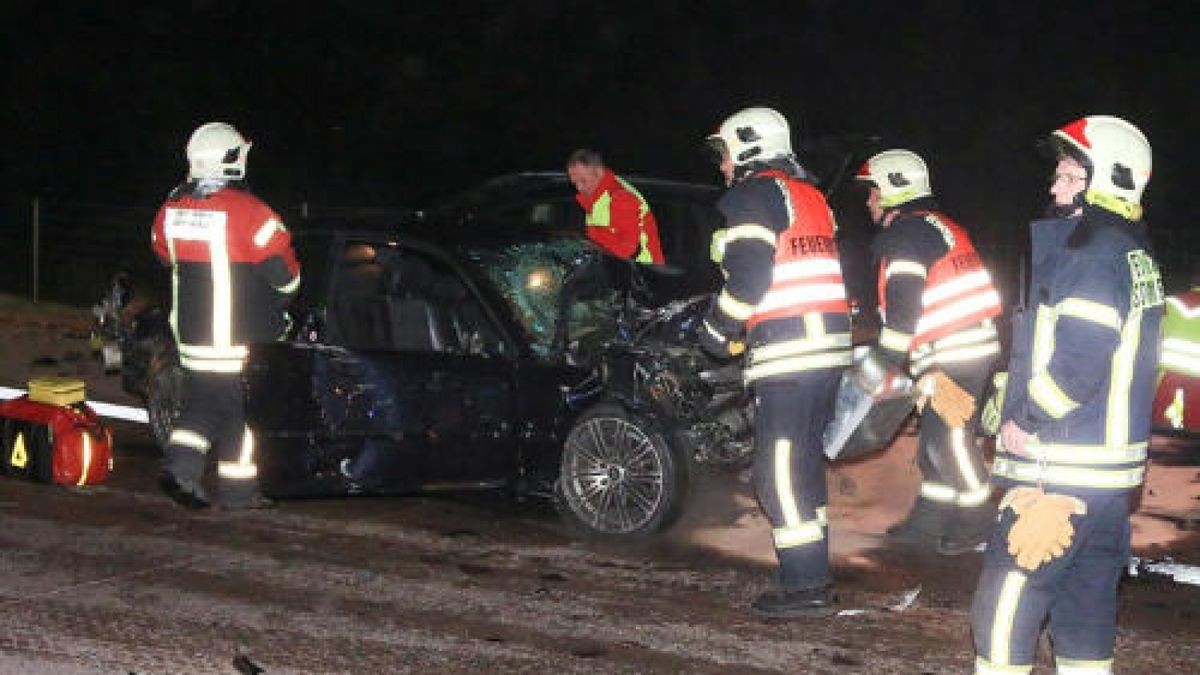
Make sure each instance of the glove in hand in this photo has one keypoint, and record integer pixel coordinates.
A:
(1043, 530)
(950, 401)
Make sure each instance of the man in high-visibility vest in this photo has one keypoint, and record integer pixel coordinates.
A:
(937, 303)
(1076, 417)
(784, 298)
(617, 216)
(1177, 403)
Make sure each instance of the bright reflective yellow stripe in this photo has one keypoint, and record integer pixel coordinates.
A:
(263, 236)
(937, 492)
(799, 346)
(291, 286)
(795, 530)
(207, 352)
(1088, 310)
(1065, 453)
(212, 365)
(985, 667)
(974, 497)
(247, 454)
(599, 216)
(962, 458)
(236, 470)
(1065, 666)
(87, 458)
(189, 439)
(1007, 603)
(733, 307)
(1046, 393)
(894, 340)
(1030, 472)
(713, 332)
(749, 231)
(909, 267)
(798, 364)
(1120, 386)
(1117, 205)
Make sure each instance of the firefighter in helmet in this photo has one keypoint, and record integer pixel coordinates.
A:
(937, 302)
(1076, 416)
(785, 302)
(232, 271)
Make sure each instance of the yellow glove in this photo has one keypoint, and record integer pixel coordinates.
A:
(1043, 530)
(736, 348)
(951, 402)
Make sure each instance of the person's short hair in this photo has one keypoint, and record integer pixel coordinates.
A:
(586, 157)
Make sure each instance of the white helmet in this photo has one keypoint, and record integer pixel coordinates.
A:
(753, 135)
(1117, 158)
(217, 151)
(900, 175)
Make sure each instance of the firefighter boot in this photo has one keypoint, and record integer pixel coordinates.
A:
(969, 528)
(182, 471)
(924, 524)
(807, 603)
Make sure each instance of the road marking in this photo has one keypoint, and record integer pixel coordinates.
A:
(121, 412)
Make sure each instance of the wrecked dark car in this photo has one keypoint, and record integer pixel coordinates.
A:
(434, 357)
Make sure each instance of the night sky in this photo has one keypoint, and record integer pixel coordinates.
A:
(397, 103)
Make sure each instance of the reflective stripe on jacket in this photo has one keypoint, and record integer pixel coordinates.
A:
(958, 292)
(783, 278)
(612, 211)
(1081, 378)
(232, 268)
(1181, 334)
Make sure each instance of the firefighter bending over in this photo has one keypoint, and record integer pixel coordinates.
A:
(232, 272)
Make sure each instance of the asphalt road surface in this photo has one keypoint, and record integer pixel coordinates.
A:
(115, 579)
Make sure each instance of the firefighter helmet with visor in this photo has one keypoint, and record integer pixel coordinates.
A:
(900, 175)
(217, 151)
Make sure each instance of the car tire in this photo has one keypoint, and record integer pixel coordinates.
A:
(618, 478)
(164, 387)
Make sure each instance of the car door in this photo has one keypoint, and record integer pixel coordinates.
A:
(433, 373)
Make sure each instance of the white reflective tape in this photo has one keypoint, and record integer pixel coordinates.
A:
(113, 410)
(1046, 393)
(207, 352)
(1173, 344)
(189, 439)
(798, 364)
(247, 454)
(783, 483)
(806, 269)
(908, 267)
(974, 497)
(1064, 666)
(87, 458)
(1088, 310)
(236, 470)
(733, 307)
(936, 492)
(263, 236)
(799, 346)
(894, 340)
(291, 286)
(748, 231)
(1031, 472)
(1183, 310)
(778, 298)
(1065, 453)
(1004, 619)
(957, 286)
(1181, 363)
(962, 457)
(963, 307)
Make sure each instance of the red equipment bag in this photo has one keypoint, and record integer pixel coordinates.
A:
(52, 436)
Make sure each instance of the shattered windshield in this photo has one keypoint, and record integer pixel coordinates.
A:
(530, 276)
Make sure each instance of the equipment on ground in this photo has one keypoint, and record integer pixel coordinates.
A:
(51, 435)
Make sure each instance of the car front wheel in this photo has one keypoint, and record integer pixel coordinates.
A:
(618, 478)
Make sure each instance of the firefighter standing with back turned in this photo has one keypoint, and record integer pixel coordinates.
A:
(1076, 415)
(232, 272)
(937, 303)
(784, 298)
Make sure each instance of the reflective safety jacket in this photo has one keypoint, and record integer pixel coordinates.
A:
(619, 220)
(232, 271)
(783, 279)
(1181, 334)
(1081, 377)
(942, 297)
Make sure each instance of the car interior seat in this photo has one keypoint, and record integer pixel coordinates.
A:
(412, 316)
